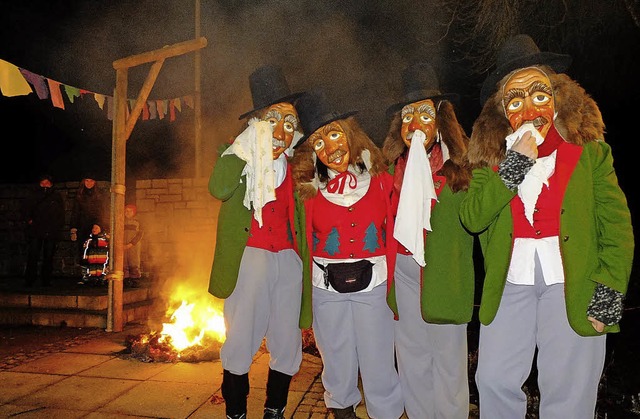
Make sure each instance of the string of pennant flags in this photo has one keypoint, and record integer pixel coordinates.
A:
(16, 81)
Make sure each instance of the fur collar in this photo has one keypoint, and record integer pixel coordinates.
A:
(579, 121)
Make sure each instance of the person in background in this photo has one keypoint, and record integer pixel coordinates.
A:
(44, 216)
(95, 257)
(433, 288)
(555, 232)
(256, 267)
(343, 200)
(133, 235)
(91, 206)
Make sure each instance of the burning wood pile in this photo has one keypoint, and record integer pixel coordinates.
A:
(154, 347)
(193, 333)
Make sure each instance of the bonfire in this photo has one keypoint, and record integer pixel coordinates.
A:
(193, 333)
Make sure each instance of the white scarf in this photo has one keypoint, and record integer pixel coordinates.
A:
(254, 145)
(414, 208)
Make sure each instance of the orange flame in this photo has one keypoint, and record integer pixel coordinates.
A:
(192, 325)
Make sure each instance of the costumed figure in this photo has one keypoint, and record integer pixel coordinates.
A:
(343, 200)
(433, 288)
(556, 236)
(256, 267)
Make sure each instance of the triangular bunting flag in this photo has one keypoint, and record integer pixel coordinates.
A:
(12, 82)
(99, 99)
(72, 92)
(152, 109)
(15, 81)
(56, 96)
(38, 82)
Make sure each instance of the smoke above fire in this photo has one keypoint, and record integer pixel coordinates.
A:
(355, 52)
(356, 49)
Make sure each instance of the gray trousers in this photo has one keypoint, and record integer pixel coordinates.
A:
(264, 304)
(569, 365)
(432, 358)
(354, 332)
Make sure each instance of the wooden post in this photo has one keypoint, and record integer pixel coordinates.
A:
(197, 129)
(118, 164)
(123, 125)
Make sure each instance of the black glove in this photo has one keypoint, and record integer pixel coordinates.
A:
(513, 169)
(606, 305)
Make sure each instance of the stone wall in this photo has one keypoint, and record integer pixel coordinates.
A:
(179, 217)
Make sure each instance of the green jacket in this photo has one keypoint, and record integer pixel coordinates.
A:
(306, 311)
(448, 280)
(234, 222)
(596, 237)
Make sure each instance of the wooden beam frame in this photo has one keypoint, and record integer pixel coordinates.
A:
(122, 128)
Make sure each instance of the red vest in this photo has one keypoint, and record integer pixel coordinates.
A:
(275, 234)
(356, 231)
(546, 215)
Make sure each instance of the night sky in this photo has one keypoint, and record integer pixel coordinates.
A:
(355, 50)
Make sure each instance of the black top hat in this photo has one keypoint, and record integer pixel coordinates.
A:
(420, 82)
(268, 86)
(520, 51)
(315, 111)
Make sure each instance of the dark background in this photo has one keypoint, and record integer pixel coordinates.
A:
(356, 50)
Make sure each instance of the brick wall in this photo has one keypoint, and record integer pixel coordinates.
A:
(179, 217)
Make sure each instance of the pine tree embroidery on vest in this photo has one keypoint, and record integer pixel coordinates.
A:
(371, 238)
(332, 245)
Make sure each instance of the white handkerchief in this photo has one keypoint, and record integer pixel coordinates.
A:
(254, 145)
(528, 126)
(414, 208)
(539, 174)
(531, 186)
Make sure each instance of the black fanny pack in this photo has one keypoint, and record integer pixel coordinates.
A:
(347, 277)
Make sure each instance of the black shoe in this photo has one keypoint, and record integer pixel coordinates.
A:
(271, 413)
(346, 413)
(238, 416)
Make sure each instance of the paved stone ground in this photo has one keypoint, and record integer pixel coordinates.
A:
(620, 387)
(22, 344)
(19, 344)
